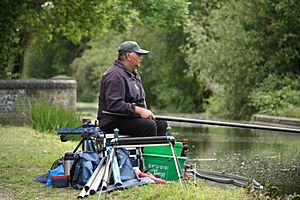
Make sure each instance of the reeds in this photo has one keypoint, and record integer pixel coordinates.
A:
(47, 118)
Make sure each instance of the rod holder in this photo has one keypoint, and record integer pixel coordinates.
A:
(116, 133)
(169, 131)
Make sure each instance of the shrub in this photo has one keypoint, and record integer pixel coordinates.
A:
(87, 96)
(47, 118)
(277, 96)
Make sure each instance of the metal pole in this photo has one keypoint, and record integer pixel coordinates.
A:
(116, 172)
(82, 194)
(95, 185)
(94, 175)
(216, 123)
(229, 124)
(107, 171)
(176, 164)
(146, 140)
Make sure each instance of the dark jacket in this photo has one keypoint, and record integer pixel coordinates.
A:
(120, 90)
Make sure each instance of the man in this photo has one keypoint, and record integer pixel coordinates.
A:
(121, 91)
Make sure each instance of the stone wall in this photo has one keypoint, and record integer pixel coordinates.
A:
(15, 96)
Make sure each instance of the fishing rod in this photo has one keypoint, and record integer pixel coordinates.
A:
(214, 123)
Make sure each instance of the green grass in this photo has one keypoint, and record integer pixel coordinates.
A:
(27, 153)
(287, 112)
(175, 191)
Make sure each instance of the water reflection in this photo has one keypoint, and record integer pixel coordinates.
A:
(268, 157)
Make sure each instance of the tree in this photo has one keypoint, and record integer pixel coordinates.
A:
(48, 59)
(9, 33)
(164, 73)
(239, 44)
(74, 19)
(88, 68)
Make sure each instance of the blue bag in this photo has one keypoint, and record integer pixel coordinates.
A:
(125, 166)
(58, 171)
(83, 167)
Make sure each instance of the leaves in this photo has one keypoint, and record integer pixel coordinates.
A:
(77, 19)
(276, 95)
(238, 44)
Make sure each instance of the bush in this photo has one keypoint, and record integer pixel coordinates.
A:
(47, 118)
(88, 96)
(237, 44)
(45, 60)
(277, 96)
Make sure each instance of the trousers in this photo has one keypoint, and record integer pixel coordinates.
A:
(137, 127)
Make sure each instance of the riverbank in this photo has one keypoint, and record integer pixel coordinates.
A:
(279, 121)
(26, 154)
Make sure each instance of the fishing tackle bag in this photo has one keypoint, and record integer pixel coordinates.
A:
(83, 167)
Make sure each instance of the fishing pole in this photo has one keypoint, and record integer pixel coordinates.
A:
(214, 123)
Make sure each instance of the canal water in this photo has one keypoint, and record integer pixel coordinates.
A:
(271, 158)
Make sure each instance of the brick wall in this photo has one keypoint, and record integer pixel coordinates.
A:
(15, 96)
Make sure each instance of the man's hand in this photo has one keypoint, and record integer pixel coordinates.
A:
(144, 113)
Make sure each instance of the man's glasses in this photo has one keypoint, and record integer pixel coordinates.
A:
(138, 54)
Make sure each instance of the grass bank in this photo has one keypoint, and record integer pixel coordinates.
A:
(26, 154)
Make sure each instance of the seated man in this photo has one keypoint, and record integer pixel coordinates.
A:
(121, 91)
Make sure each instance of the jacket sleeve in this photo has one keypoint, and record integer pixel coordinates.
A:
(115, 91)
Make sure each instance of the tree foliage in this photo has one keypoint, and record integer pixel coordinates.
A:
(45, 60)
(9, 33)
(162, 71)
(277, 95)
(167, 84)
(88, 69)
(247, 52)
(239, 44)
(23, 20)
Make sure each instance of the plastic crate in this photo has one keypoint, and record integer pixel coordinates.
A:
(164, 150)
(60, 181)
(163, 166)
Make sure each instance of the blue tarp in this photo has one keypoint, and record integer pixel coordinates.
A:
(58, 171)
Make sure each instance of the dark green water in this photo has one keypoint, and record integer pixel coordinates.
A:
(272, 159)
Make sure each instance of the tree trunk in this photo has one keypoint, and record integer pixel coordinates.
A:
(17, 64)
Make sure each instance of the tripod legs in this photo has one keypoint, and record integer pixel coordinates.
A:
(177, 165)
(101, 176)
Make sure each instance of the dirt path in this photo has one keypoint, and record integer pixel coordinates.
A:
(6, 194)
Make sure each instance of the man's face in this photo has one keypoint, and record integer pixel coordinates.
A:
(135, 59)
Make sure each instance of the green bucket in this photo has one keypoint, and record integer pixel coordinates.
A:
(163, 165)
(164, 150)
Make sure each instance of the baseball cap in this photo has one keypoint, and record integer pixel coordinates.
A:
(131, 46)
